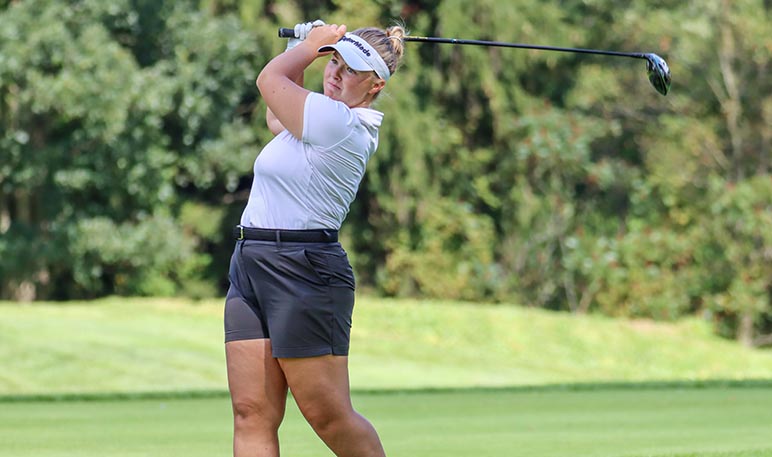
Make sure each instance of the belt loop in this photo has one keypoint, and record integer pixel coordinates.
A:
(278, 236)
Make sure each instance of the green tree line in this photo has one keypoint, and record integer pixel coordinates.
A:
(555, 180)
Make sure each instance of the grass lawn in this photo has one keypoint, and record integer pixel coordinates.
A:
(601, 422)
(146, 377)
(138, 345)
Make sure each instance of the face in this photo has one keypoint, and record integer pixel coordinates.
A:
(354, 88)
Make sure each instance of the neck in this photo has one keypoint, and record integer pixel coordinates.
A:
(365, 103)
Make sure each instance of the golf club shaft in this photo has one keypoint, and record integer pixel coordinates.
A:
(289, 33)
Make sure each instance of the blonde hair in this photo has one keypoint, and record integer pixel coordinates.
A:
(387, 42)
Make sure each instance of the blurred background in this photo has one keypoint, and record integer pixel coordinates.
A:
(565, 182)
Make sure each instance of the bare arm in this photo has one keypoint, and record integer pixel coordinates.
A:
(274, 124)
(277, 82)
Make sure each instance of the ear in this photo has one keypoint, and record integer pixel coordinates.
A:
(378, 85)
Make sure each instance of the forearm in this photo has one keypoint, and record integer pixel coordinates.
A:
(287, 67)
(277, 82)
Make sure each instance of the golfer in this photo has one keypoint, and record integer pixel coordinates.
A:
(289, 306)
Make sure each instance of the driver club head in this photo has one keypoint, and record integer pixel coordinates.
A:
(659, 73)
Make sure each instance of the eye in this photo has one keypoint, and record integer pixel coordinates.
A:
(352, 71)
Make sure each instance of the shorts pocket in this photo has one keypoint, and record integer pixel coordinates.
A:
(332, 267)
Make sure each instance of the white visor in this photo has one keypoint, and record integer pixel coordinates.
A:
(359, 55)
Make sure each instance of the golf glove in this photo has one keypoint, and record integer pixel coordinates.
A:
(301, 32)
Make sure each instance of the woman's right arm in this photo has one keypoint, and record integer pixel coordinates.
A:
(274, 124)
(276, 82)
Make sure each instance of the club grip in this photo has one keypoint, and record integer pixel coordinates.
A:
(286, 33)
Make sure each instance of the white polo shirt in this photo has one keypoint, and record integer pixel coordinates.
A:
(310, 183)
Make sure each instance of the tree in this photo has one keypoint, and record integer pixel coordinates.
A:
(108, 117)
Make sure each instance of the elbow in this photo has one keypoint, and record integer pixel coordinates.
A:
(260, 81)
(263, 80)
(267, 83)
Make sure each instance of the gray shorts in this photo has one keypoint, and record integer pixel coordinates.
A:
(300, 295)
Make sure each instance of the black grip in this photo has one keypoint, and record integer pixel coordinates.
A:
(286, 33)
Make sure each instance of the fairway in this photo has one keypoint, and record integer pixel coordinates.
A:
(634, 421)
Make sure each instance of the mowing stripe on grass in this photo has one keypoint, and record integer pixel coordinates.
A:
(571, 387)
(575, 387)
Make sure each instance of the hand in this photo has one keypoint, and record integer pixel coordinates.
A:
(301, 32)
(326, 35)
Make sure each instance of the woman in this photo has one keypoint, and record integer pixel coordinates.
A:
(288, 310)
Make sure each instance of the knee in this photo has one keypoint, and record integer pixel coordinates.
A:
(325, 419)
(255, 414)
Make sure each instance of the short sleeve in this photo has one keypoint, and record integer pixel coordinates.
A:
(326, 122)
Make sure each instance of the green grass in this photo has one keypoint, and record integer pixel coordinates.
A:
(600, 422)
(140, 345)
(146, 377)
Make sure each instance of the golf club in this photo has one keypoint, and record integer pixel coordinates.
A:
(656, 67)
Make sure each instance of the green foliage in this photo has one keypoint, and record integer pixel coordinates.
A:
(119, 120)
(450, 257)
(130, 258)
(740, 221)
(644, 273)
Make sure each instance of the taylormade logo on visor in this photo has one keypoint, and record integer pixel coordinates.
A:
(357, 44)
(359, 55)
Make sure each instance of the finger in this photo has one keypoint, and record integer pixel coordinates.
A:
(306, 28)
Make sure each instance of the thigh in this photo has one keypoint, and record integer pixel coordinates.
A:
(255, 379)
(319, 383)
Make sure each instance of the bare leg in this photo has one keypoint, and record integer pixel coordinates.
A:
(320, 386)
(259, 396)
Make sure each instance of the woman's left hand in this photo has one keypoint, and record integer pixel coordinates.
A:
(325, 35)
(301, 32)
